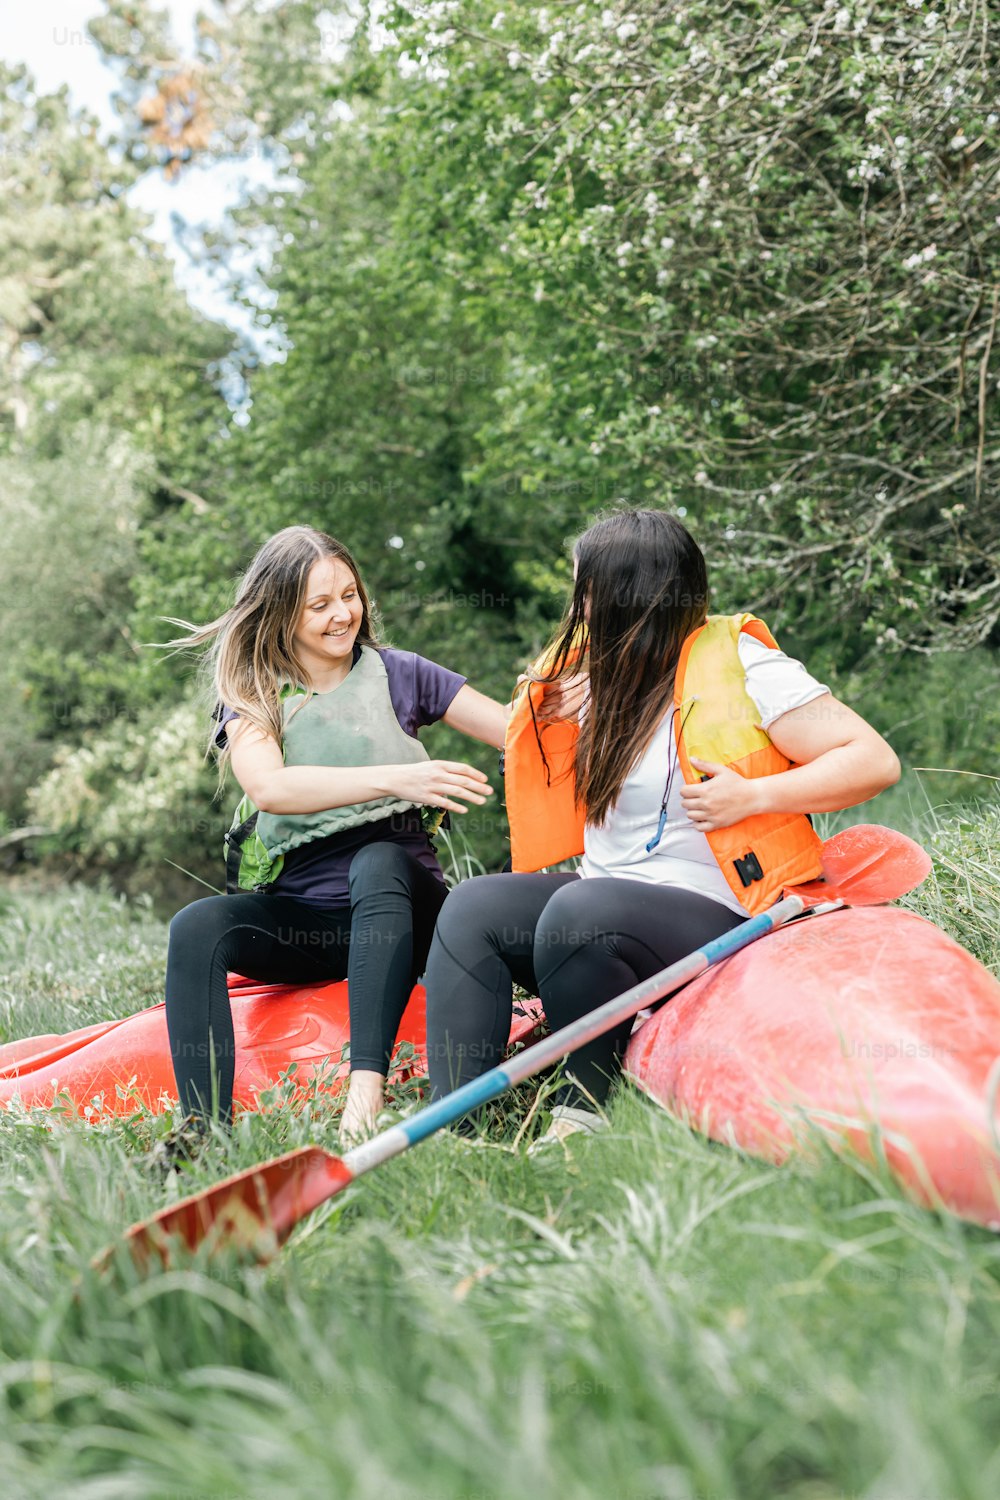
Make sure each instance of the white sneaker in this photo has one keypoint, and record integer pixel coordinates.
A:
(567, 1120)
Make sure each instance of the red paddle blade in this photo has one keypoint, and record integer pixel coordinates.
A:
(253, 1212)
(868, 865)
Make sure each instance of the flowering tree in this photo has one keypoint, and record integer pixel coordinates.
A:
(756, 248)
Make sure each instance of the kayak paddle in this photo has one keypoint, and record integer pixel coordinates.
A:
(256, 1209)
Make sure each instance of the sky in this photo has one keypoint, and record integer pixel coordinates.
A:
(50, 37)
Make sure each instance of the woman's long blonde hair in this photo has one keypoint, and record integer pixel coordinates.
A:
(251, 654)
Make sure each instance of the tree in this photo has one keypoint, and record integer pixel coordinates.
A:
(109, 414)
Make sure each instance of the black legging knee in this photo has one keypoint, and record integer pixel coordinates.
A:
(379, 944)
(576, 942)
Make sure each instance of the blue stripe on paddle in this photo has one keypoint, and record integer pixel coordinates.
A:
(445, 1111)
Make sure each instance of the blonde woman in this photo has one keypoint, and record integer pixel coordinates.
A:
(319, 722)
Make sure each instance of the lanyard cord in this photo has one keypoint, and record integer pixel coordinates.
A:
(672, 760)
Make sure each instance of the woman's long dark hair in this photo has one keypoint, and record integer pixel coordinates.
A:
(641, 589)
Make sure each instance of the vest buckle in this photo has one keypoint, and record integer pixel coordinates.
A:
(748, 868)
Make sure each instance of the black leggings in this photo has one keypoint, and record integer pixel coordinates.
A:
(575, 943)
(379, 944)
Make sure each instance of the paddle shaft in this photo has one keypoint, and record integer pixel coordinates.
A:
(477, 1091)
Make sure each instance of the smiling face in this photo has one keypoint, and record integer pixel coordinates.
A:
(328, 622)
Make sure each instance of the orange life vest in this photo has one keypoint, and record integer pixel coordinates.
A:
(716, 720)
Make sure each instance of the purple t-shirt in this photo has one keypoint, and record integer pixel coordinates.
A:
(316, 873)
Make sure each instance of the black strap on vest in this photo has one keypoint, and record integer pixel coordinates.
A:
(234, 841)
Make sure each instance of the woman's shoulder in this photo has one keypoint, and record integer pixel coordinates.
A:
(776, 682)
(396, 659)
(422, 690)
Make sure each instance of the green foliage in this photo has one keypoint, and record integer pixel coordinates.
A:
(108, 418)
(70, 531)
(962, 895)
(744, 261)
(138, 795)
(74, 958)
(528, 263)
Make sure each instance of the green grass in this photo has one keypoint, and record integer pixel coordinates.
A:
(647, 1316)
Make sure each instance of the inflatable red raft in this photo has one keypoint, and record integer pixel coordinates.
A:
(869, 1024)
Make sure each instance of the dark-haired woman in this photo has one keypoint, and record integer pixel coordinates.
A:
(320, 725)
(700, 749)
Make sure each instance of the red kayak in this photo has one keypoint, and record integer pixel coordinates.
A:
(870, 1026)
(844, 1021)
(120, 1066)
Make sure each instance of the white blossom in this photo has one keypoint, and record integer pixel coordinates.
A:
(920, 257)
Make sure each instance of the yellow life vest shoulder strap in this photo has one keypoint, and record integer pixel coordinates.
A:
(760, 855)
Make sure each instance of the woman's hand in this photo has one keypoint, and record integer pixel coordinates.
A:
(436, 783)
(726, 798)
(562, 699)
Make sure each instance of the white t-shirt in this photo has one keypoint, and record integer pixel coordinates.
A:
(777, 683)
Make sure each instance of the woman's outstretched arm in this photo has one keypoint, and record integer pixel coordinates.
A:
(276, 788)
(482, 718)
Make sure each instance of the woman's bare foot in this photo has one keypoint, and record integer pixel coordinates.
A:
(365, 1098)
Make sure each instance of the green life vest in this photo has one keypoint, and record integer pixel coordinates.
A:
(352, 725)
